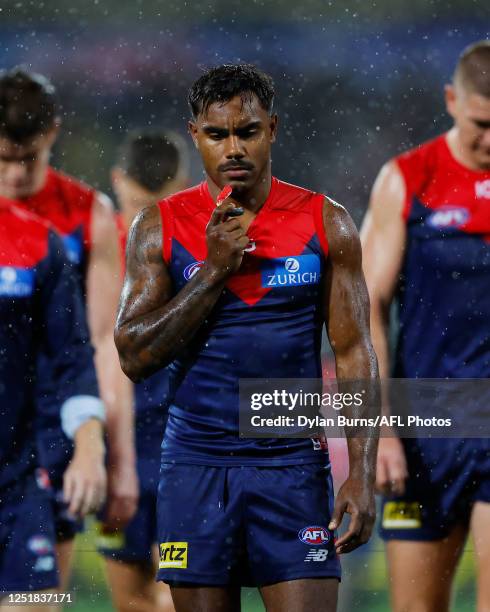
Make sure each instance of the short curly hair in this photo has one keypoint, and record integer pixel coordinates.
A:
(28, 105)
(222, 83)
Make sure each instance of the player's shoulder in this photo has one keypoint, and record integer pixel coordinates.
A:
(420, 164)
(293, 198)
(422, 156)
(186, 202)
(74, 190)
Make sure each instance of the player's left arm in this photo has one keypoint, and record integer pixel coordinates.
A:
(104, 284)
(64, 338)
(346, 313)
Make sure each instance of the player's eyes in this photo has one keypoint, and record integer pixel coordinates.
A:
(216, 136)
(248, 133)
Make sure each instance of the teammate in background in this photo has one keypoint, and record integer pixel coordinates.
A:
(426, 243)
(41, 310)
(235, 511)
(29, 124)
(151, 166)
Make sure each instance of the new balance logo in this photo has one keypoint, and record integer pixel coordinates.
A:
(316, 555)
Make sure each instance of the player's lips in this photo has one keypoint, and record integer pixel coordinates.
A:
(237, 173)
(236, 170)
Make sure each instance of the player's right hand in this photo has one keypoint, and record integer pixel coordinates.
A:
(85, 481)
(391, 468)
(225, 240)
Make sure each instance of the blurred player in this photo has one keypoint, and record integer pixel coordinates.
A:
(41, 310)
(29, 124)
(426, 242)
(151, 165)
(198, 290)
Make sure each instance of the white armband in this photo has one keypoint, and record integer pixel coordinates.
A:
(77, 410)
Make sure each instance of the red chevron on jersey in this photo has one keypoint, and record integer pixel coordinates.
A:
(288, 220)
(24, 238)
(459, 196)
(64, 202)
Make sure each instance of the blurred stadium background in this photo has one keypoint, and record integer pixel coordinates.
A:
(357, 82)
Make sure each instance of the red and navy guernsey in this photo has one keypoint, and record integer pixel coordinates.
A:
(444, 293)
(40, 311)
(267, 323)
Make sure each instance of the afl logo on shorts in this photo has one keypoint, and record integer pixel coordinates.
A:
(448, 216)
(192, 269)
(315, 535)
(40, 545)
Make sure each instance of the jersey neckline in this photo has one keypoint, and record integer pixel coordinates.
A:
(265, 205)
(478, 174)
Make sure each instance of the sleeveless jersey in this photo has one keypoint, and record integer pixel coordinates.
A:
(67, 205)
(151, 395)
(40, 310)
(266, 323)
(444, 296)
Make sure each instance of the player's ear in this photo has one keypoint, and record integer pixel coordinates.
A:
(450, 97)
(192, 128)
(273, 127)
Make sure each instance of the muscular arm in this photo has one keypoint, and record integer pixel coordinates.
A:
(346, 305)
(383, 237)
(153, 326)
(103, 289)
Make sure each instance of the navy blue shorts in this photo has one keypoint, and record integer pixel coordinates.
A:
(134, 543)
(446, 478)
(249, 526)
(27, 557)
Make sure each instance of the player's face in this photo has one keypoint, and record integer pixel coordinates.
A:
(471, 114)
(23, 166)
(234, 140)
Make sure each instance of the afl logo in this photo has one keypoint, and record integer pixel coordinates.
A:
(315, 535)
(192, 269)
(291, 264)
(39, 545)
(448, 216)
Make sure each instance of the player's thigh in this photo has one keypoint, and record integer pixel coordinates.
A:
(421, 572)
(4, 605)
(480, 522)
(305, 595)
(65, 551)
(206, 599)
(132, 585)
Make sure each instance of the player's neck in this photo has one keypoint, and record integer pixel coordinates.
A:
(459, 152)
